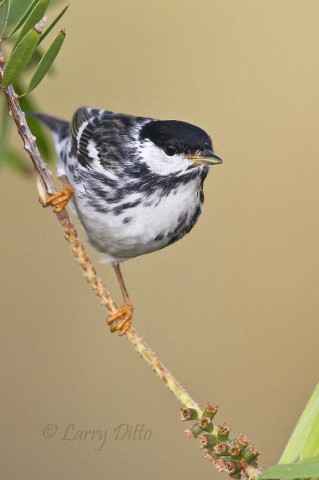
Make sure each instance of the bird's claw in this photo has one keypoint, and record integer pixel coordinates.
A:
(60, 199)
(122, 319)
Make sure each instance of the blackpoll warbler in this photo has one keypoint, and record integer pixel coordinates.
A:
(136, 183)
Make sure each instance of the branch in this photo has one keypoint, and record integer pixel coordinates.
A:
(71, 236)
(235, 456)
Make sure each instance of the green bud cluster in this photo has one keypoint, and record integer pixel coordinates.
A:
(235, 456)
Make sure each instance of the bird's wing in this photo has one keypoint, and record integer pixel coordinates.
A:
(82, 128)
(98, 136)
(82, 115)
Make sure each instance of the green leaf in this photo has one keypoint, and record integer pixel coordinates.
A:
(44, 140)
(311, 447)
(46, 61)
(15, 161)
(4, 14)
(37, 12)
(24, 16)
(20, 57)
(304, 440)
(305, 469)
(19, 9)
(36, 57)
(55, 21)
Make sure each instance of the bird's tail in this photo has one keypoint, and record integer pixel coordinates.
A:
(56, 125)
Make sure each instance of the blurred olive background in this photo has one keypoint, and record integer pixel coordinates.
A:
(232, 309)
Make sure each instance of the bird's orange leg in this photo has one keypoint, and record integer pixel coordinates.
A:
(60, 199)
(122, 319)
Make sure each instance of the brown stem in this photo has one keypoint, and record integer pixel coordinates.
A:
(78, 251)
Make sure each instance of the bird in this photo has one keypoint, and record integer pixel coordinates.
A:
(135, 183)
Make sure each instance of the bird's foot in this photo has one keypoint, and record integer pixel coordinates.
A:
(122, 319)
(60, 199)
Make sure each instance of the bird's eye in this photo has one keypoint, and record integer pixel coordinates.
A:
(170, 150)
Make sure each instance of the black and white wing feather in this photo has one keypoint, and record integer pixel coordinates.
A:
(103, 136)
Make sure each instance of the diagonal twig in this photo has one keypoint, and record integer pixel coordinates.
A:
(70, 234)
(29, 141)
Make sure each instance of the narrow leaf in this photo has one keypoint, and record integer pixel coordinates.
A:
(20, 57)
(16, 161)
(36, 57)
(311, 447)
(24, 17)
(305, 469)
(4, 14)
(33, 18)
(298, 440)
(44, 140)
(55, 21)
(46, 61)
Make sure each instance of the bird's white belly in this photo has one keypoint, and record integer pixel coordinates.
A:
(140, 229)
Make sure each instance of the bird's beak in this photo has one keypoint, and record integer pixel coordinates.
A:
(206, 157)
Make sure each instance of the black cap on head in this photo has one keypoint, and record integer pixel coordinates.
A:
(176, 137)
